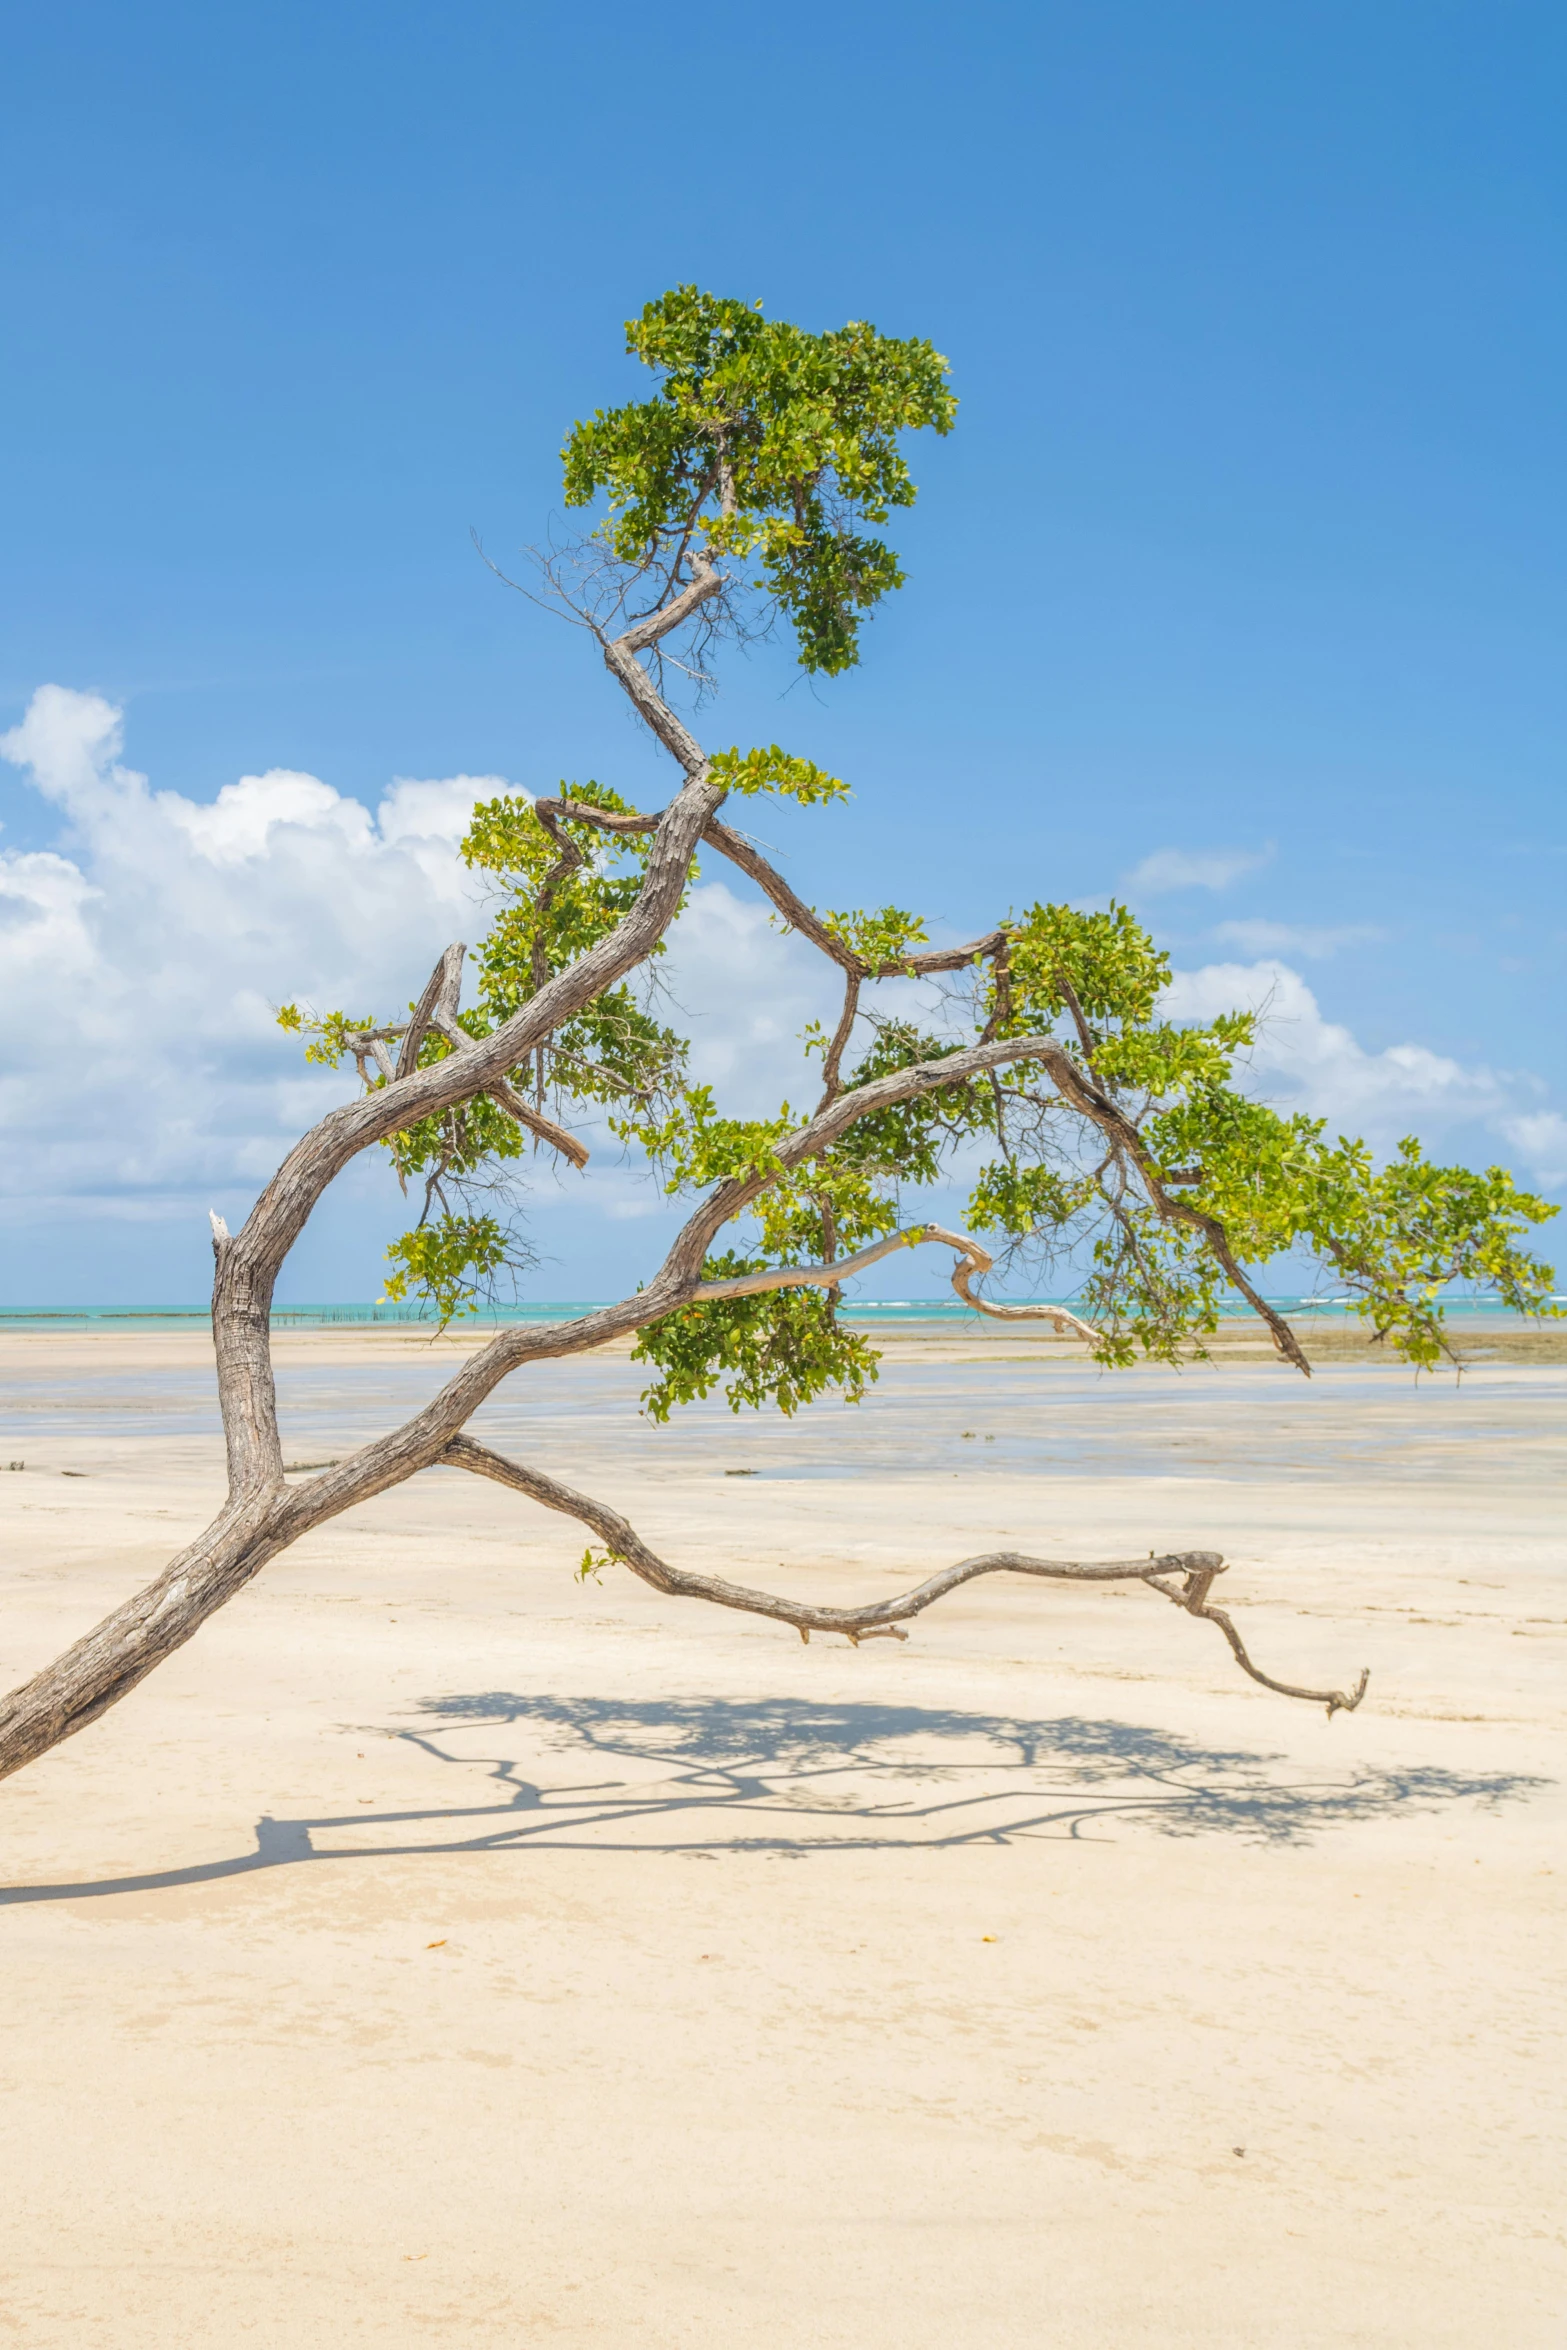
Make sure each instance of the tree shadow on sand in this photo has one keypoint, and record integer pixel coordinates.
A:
(784, 1776)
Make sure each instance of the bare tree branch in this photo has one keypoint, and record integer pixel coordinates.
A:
(1084, 1094)
(972, 1259)
(975, 1260)
(796, 913)
(833, 1062)
(810, 925)
(442, 995)
(877, 1618)
(606, 819)
(536, 1123)
(1001, 966)
(620, 655)
(1085, 1035)
(1193, 1597)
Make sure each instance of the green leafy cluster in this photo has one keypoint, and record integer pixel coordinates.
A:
(559, 892)
(882, 940)
(775, 770)
(328, 1036)
(910, 1142)
(1398, 1236)
(447, 1260)
(788, 1345)
(771, 442)
(784, 1347)
(1105, 960)
(1026, 1198)
(1213, 1178)
(694, 1145)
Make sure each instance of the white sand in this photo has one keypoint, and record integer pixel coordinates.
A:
(788, 1995)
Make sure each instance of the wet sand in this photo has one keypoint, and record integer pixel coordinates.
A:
(440, 1948)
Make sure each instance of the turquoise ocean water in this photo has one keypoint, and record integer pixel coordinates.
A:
(872, 1313)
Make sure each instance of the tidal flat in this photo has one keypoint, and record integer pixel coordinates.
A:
(441, 1944)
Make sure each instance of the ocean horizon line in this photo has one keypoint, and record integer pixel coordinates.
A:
(369, 1312)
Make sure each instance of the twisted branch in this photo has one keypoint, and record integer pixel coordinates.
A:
(436, 1014)
(1193, 1597)
(796, 913)
(877, 1619)
(537, 1124)
(833, 1063)
(972, 1260)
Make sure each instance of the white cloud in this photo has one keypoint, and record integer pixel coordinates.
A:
(1169, 869)
(1540, 1140)
(140, 971)
(1287, 938)
(141, 1059)
(1303, 1061)
(743, 992)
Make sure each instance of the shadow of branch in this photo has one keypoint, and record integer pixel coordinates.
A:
(792, 1777)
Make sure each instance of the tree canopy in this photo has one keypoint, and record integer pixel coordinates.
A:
(767, 442)
(1152, 1175)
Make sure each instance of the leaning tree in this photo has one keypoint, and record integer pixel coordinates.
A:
(1111, 1138)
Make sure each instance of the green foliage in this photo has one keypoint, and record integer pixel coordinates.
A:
(1256, 1169)
(775, 770)
(1397, 1236)
(771, 442)
(1213, 1169)
(559, 895)
(447, 1262)
(1019, 1199)
(1154, 1289)
(908, 1142)
(785, 1347)
(1107, 960)
(766, 444)
(329, 1033)
(695, 1146)
(881, 939)
(559, 901)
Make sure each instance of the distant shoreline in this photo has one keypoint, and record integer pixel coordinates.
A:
(1474, 1313)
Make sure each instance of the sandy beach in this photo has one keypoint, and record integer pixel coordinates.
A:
(442, 1949)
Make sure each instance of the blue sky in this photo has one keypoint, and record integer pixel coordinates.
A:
(1248, 546)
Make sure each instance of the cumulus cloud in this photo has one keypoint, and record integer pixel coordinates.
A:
(1171, 869)
(1540, 1140)
(143, 959)
(1304, 1061)
(1288, 938)
(743, 992)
